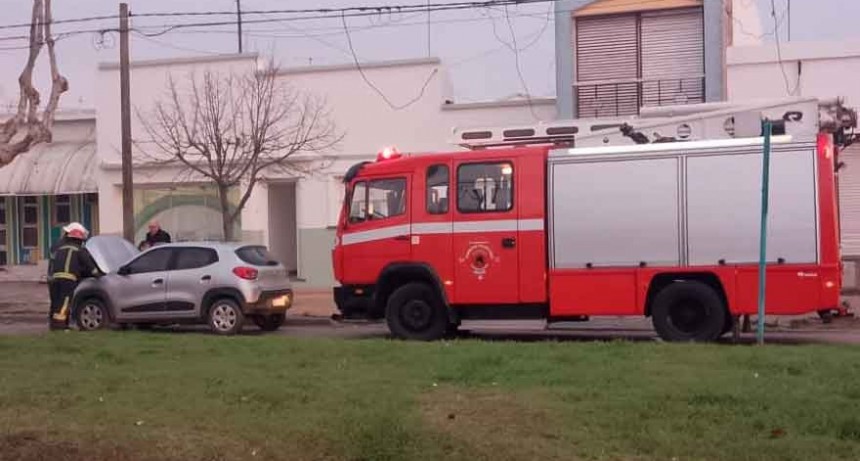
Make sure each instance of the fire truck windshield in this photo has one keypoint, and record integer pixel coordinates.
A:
(378, 199)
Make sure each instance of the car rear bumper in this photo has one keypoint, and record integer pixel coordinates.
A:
(271, 302)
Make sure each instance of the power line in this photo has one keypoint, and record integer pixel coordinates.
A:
(374, 87)
(791, 92)
(373, 9)
(517, 64)
(338, 30)
(175, 47)
(356, 12)
(397, 8)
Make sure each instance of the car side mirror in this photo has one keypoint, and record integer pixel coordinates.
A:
(124, 270)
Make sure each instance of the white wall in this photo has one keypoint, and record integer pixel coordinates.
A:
(827, 70)
(148, 83)
(365, 119)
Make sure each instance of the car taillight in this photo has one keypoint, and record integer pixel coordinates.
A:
(247, 273)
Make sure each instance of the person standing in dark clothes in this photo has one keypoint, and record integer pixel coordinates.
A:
(155, 236)
(69, 263)
(60, 242)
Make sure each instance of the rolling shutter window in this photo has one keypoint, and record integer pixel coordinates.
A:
(607, 65)
(673, 57)
(849, 201)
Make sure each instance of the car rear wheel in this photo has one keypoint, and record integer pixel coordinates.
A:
(415, 311)
(269, 322)
(92, 315)
(225, 317)
(688, 311)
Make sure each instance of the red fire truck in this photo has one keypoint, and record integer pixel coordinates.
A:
(655, 216)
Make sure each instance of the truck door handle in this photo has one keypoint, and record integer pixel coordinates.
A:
(402, 238)
(509, 242)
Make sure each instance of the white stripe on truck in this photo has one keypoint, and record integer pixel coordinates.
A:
(464, 227)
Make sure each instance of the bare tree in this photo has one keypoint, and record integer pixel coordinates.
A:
(236, 130)
(27, 128)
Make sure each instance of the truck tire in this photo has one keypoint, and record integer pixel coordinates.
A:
(415, 311)
(688, 311)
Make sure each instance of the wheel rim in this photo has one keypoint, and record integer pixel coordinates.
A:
(416, 315)
(688, 316)
(224, 317)
(91, 317)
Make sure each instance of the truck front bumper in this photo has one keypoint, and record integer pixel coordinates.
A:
(355, 301)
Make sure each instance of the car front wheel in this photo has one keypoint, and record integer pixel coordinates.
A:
(92, 315)
(225, 317)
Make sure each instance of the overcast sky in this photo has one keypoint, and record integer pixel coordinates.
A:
(474, 45)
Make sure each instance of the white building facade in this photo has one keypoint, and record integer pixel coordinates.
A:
(294, 216)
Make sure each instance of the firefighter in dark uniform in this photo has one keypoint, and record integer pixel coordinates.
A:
(69, 264)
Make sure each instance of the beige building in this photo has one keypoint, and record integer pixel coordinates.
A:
(44, 189)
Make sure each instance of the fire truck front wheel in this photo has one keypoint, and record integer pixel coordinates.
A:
(415, 311)
(688, 311)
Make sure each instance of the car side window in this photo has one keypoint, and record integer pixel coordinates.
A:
(195, 258)
(153, 261)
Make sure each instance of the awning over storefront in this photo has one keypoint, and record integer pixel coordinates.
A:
(51, 169)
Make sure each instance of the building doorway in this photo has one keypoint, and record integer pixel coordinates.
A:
(283, 241)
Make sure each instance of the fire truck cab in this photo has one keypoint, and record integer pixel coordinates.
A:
(538, 229)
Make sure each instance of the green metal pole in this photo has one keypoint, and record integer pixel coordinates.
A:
(767, 127)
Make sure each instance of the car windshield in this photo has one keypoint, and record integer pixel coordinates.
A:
(256, 255)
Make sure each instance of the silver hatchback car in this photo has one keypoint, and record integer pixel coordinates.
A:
(221, 284)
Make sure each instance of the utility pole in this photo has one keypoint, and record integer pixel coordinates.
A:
(767, 129)
(125, 115)
(239, 16)
(429, 51)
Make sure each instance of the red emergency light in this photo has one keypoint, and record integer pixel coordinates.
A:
(387, 153)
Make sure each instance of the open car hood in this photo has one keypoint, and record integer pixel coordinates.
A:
(110, 252)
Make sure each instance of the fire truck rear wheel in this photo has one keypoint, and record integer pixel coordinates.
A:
(415, 311)
(688, 311)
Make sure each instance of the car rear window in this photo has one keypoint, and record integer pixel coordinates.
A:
(256, 255)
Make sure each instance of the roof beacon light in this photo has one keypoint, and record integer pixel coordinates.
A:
(387, 153)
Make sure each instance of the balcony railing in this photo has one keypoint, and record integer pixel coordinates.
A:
(614, 98)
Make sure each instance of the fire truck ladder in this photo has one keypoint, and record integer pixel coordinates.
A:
(799, 117)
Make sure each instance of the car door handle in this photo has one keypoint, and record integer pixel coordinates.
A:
(157, 282)
(509, 242)
(402, 238)
(206, 278)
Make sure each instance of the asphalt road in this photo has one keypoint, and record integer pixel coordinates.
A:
(24, 307)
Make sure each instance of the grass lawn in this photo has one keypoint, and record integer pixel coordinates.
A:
(131, 395)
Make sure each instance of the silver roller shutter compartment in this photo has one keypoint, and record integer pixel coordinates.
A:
(849, 201)
(607, 66)
(673, 57)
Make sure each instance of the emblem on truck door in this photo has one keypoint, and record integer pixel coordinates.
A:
(479, 256)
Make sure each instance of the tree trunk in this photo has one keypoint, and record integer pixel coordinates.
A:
(226, 216)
